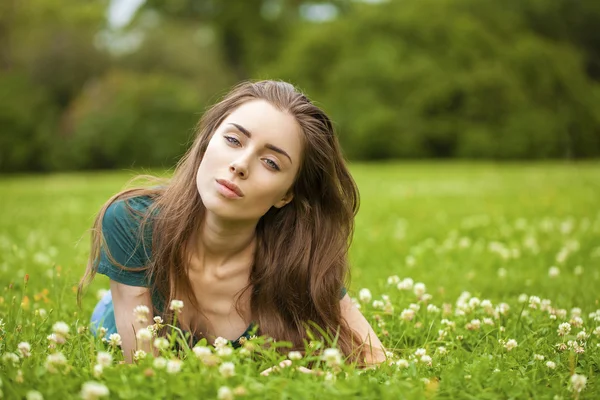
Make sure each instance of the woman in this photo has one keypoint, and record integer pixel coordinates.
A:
(253, 229)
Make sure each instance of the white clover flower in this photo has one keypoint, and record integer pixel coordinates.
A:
(523, 298)
(144, 335)
(139, 355)
(577, 322)
(24, 349)
(441, 350)
(55, 360)
(546, 305)
(41, 312)
(221, 342)
(538, 357)
(474, 302)
(103, 358)
(561, 313)
(402, 363)
(393, 280)
(202, 352)
(102, 332)
(61, 328)
(432, 309)
(10, 357)
(295, 355)
(406, 284)
(474, 325)
(488, 321)
(54, 338)
(224, 393)
(551, 364)
(553, 272)
(225, 351)
(582, 335)
(332, 357)
(93, 390)
(364, 295)
(510, 344)
(534, 302)
(425, 359)
(158, 320)
(97, 371)
(176, 305)
(34, 395)
(407, 314)
(575, 312)
(227, 369)
(161, 343)
(578, 382)
(141, 313)
(564, 329)
(486, 304)
(174, 366)
(414, 307)
(420, 352)
(159, 363)
(597, 331)
(115, 340)
(378, 304)
(419, 289)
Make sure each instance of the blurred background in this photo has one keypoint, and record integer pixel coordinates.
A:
(101, 84)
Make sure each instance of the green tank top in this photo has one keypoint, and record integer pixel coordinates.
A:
(120, 228)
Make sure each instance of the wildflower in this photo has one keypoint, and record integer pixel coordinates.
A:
(161, 343)
(432, 309)
(474, 325)
(202, 352)
(97, 371)
(174, 366)
(578, 382)
(41, 312)
(402, 363)
(224, 393)
(561, 346)
(93, 390)
(510, 344)
(534, 302)
(425, 359)
(294, 355)
(61, 328)
(577, 322)
(488, 321)
(176, 305)
(551, 364)
(414, 307)
(115, 340)
(144, 335)
(227, 369)
(225, 351)
(141, 313)
(538, 357)
(564, 329)
(159, 363)
(553, 272)
(221, 342)
(33, 395)
(420, 352)
(393, 280)
(448, 323)
(378, 304)
(102, 332)
(158, 320)
(364, 295)
(139, 355)
(576, 312)
(24, 349)
(406, 284)
(332, 357)
(582, 335)
(474, 302)
(419, 289)
(103, 358)
(407, 314)
(523, 298)
(12, 357)
(561, 313)
(55, 360)
(597, 331)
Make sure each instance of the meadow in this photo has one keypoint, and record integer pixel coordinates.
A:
(481, 280)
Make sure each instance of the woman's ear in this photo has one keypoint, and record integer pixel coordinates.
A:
(285, 199)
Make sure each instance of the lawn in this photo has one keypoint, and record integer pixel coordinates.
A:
(481, 279)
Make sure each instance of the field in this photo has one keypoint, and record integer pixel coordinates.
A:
(504, 301)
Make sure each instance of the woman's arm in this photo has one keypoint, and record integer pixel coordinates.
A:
(125, 299)
(375, 353)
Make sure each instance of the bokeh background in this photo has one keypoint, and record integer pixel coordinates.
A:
(102, 84)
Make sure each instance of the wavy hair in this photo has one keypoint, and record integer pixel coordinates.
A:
(301, 258)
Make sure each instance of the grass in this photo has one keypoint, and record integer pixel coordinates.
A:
(494, 231)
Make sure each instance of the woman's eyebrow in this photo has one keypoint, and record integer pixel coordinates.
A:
(247, 133)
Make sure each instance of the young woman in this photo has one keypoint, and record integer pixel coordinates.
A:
(253, 229)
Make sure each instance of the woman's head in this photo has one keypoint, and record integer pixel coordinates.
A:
(281, 152)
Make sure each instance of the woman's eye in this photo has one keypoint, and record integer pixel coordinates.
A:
(232, 140)
(272, 164)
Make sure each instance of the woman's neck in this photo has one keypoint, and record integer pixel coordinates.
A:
(220, 241)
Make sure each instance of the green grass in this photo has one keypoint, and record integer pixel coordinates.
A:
(492, 230)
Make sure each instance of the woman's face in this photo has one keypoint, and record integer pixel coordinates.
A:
(258, 149)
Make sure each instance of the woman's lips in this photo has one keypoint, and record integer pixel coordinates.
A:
(229, 189)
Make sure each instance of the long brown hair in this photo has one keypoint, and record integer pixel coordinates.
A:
(301, 258)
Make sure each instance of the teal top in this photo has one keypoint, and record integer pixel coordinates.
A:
(120, 228)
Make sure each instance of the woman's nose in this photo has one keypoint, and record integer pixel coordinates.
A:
(239, 168)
